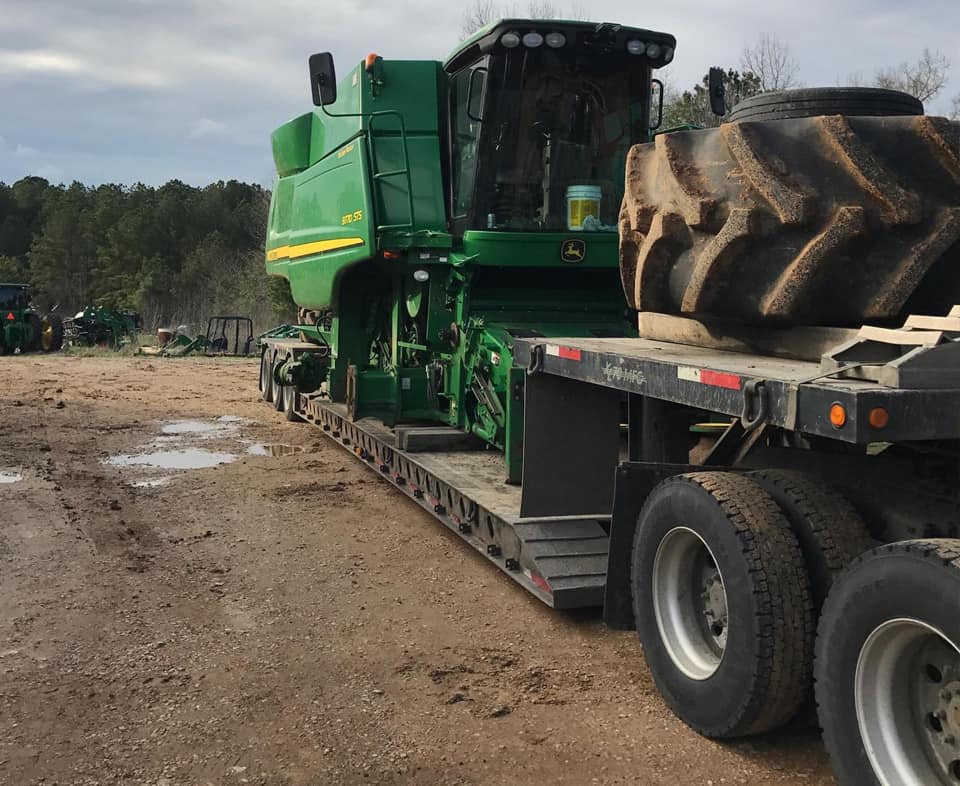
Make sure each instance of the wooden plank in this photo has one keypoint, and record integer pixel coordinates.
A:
(801, 343)
(921, 322)
(901, 336)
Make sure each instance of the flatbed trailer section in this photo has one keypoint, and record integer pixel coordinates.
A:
(553, 534)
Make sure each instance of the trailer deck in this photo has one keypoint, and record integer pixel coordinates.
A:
(552, 533)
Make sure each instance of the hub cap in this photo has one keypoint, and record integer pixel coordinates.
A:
(690, 603)
(907, 695)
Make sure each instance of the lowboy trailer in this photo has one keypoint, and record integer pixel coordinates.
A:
(721, 555)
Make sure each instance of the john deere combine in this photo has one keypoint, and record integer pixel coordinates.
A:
(429, 214)
(23, 329)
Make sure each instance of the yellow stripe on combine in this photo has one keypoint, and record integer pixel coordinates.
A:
(317, 247)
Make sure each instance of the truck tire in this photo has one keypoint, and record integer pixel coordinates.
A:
(814, 101)
(290, 396)
(722, 604)
(888, 667)
(826, 220)
(830, 531)
(266, 387)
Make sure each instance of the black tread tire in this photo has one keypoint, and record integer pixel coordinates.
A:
(276, 386)
(917, 579)
(766, 669)
(37, 326)
(829, 529)
(289, 403)
(811, 102)
(813, 221)
(266, 388)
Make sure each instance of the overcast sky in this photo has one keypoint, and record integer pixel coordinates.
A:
(149, 90)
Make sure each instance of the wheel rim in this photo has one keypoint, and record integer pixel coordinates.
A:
(46, 337)
(264, 374)
(690, 603)
(907, 695)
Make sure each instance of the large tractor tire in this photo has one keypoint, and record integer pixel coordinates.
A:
(51, 334)
(888, 667)
(36, 332)
(722, 604)
(814, 101)
(828, 220)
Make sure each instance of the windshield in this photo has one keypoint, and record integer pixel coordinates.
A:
(14, 297)
(556, 128)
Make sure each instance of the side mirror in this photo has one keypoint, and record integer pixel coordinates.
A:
(718, 92)
(656, 101)
(323, 79)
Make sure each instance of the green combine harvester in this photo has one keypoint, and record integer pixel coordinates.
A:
(430, 214)
(24, 330)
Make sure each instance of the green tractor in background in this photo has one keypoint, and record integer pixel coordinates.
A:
(428, 214)
(24, 330)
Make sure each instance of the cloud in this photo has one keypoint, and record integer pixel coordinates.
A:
(206, 127)
(109, 90)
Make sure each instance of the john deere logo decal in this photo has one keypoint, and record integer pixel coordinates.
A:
(573, 250)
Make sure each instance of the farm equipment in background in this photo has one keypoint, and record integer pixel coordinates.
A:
(99, 326)
(23, 329)
(226, 335)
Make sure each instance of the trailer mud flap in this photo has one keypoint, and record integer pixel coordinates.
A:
(634, 480)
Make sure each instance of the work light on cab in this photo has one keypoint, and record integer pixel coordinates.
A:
(555, 40)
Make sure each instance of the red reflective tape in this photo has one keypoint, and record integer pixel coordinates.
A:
(569, 353)
(719, 380)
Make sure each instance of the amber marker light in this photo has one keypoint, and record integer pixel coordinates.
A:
(370, 60)
(879, 418)
(838, 416)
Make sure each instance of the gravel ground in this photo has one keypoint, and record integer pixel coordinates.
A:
(287, 619)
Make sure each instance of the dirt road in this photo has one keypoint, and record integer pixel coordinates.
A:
(286, 619)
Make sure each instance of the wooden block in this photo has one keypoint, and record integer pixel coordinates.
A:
(901, 336)
(949, 324)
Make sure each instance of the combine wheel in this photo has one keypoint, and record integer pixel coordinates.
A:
(276, 387)
(760, 221)
(888, 667)
(831, 533)
(266, 387)
(722, 604)
(51, 333)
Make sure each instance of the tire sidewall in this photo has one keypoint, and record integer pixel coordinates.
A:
(704, 704)
(266, 387)
(856, 607)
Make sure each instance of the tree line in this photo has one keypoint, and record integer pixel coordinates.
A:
(176, 253)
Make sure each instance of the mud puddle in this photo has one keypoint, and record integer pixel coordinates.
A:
(192, 444)
(10, 476)
(185, 458)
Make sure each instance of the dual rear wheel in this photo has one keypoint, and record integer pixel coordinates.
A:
(730, 572)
